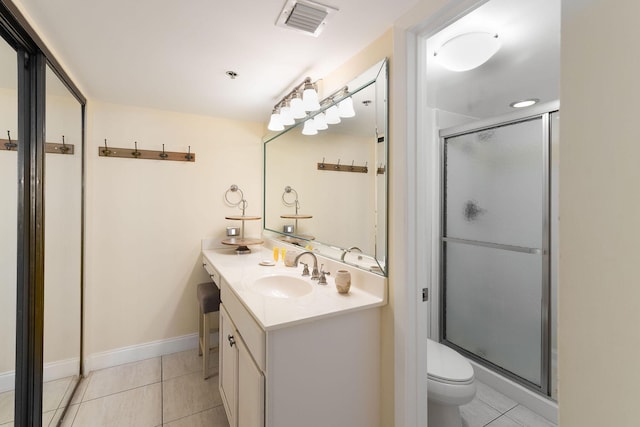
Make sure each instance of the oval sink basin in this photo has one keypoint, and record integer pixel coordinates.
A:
(281, 286)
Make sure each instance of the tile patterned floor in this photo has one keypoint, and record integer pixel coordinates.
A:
(169, 391)
(158, 392)
(492, 409)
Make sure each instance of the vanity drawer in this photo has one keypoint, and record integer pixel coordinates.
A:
(213, 273)
(248, 328)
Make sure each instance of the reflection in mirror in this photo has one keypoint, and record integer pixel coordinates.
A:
(339, 176)
(63, 225)
(8, 229)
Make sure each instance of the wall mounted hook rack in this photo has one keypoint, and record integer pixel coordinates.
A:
(127, 153)
(337, 167)
(49, 147)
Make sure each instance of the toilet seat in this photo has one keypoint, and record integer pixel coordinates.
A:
(445, 365)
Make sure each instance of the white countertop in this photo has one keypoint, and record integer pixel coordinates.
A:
(368, 290)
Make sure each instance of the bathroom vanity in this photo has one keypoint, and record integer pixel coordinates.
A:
(293, 352)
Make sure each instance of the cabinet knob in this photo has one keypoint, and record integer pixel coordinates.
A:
(232, 340)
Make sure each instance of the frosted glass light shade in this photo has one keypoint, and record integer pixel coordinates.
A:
(309, 128)
(320, 122)
(275, 123)
(297, 108)
(467, 51)
(310, 99)
(332, 116)
(286, 118)
(345, 108)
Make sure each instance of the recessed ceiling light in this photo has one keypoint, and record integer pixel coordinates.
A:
(524, 103)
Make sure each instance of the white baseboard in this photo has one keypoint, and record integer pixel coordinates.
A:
(135, 353)
(107, 359)
(51, 371)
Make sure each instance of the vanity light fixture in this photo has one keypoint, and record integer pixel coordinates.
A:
(286, 118)
(467, 51)
(275, 123)
(296, 105)
(320, 121)
(309, 128)
(345, 108)
(524, 103)
(331, 115)
(310, 96)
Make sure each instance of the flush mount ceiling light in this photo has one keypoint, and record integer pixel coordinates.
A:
(524, 103)
(305, 16)
(467, 51)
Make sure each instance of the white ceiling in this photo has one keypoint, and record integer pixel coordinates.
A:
(526, 66)
(173, 55)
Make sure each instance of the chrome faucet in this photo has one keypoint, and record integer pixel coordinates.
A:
(315, 274)
(352, 248)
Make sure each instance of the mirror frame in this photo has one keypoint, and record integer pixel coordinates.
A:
(378, 262)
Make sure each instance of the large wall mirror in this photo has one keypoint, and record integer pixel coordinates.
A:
(329, 190)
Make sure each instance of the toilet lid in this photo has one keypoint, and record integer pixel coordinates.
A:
(445, 364)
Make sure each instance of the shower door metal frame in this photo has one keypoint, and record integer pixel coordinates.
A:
(543, 112)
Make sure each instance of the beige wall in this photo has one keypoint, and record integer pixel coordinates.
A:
(145, 218)
(599, 212)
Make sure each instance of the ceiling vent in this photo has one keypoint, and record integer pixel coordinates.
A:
(305, 16)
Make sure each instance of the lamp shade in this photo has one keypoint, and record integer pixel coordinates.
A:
(286, 118)
(310, 98)
(275, 124)
(309, 128)
(332, 116)
(467, 51)
(297, 108)
(320, 122)
(345, 108)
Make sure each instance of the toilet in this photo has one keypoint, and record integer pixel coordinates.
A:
(450, 383)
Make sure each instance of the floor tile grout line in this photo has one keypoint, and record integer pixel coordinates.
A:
(121, 391)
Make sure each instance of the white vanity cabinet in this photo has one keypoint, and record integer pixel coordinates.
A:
(311, 361)
(241, 379)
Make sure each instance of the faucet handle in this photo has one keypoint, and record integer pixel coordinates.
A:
(305, 270)
(323, 277)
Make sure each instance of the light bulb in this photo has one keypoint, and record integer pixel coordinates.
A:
(275, 123)
(309, 128)
(345, 108)
(332, 116)
(320, 122)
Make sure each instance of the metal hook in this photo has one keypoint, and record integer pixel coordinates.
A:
(366, 169)
(189, 156)
(136, 153)
(352, 162)
(106, 150)
(9, 145)
(163, 155)
(338, 165)
(322, 164)
(64, 147)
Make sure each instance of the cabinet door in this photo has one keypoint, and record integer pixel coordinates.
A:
(228, 366)
(250, 390)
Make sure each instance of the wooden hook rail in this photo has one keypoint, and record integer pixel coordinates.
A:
(337, 167)
(128, 153)
(49, 147)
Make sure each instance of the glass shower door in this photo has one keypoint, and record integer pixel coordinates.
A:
(494, 262)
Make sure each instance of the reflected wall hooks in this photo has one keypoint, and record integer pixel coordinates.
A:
(126, 153)
(49, 147)
(337, 167)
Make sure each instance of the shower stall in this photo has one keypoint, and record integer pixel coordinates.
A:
(497, 259)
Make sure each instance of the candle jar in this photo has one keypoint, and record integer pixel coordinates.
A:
(343, 281)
